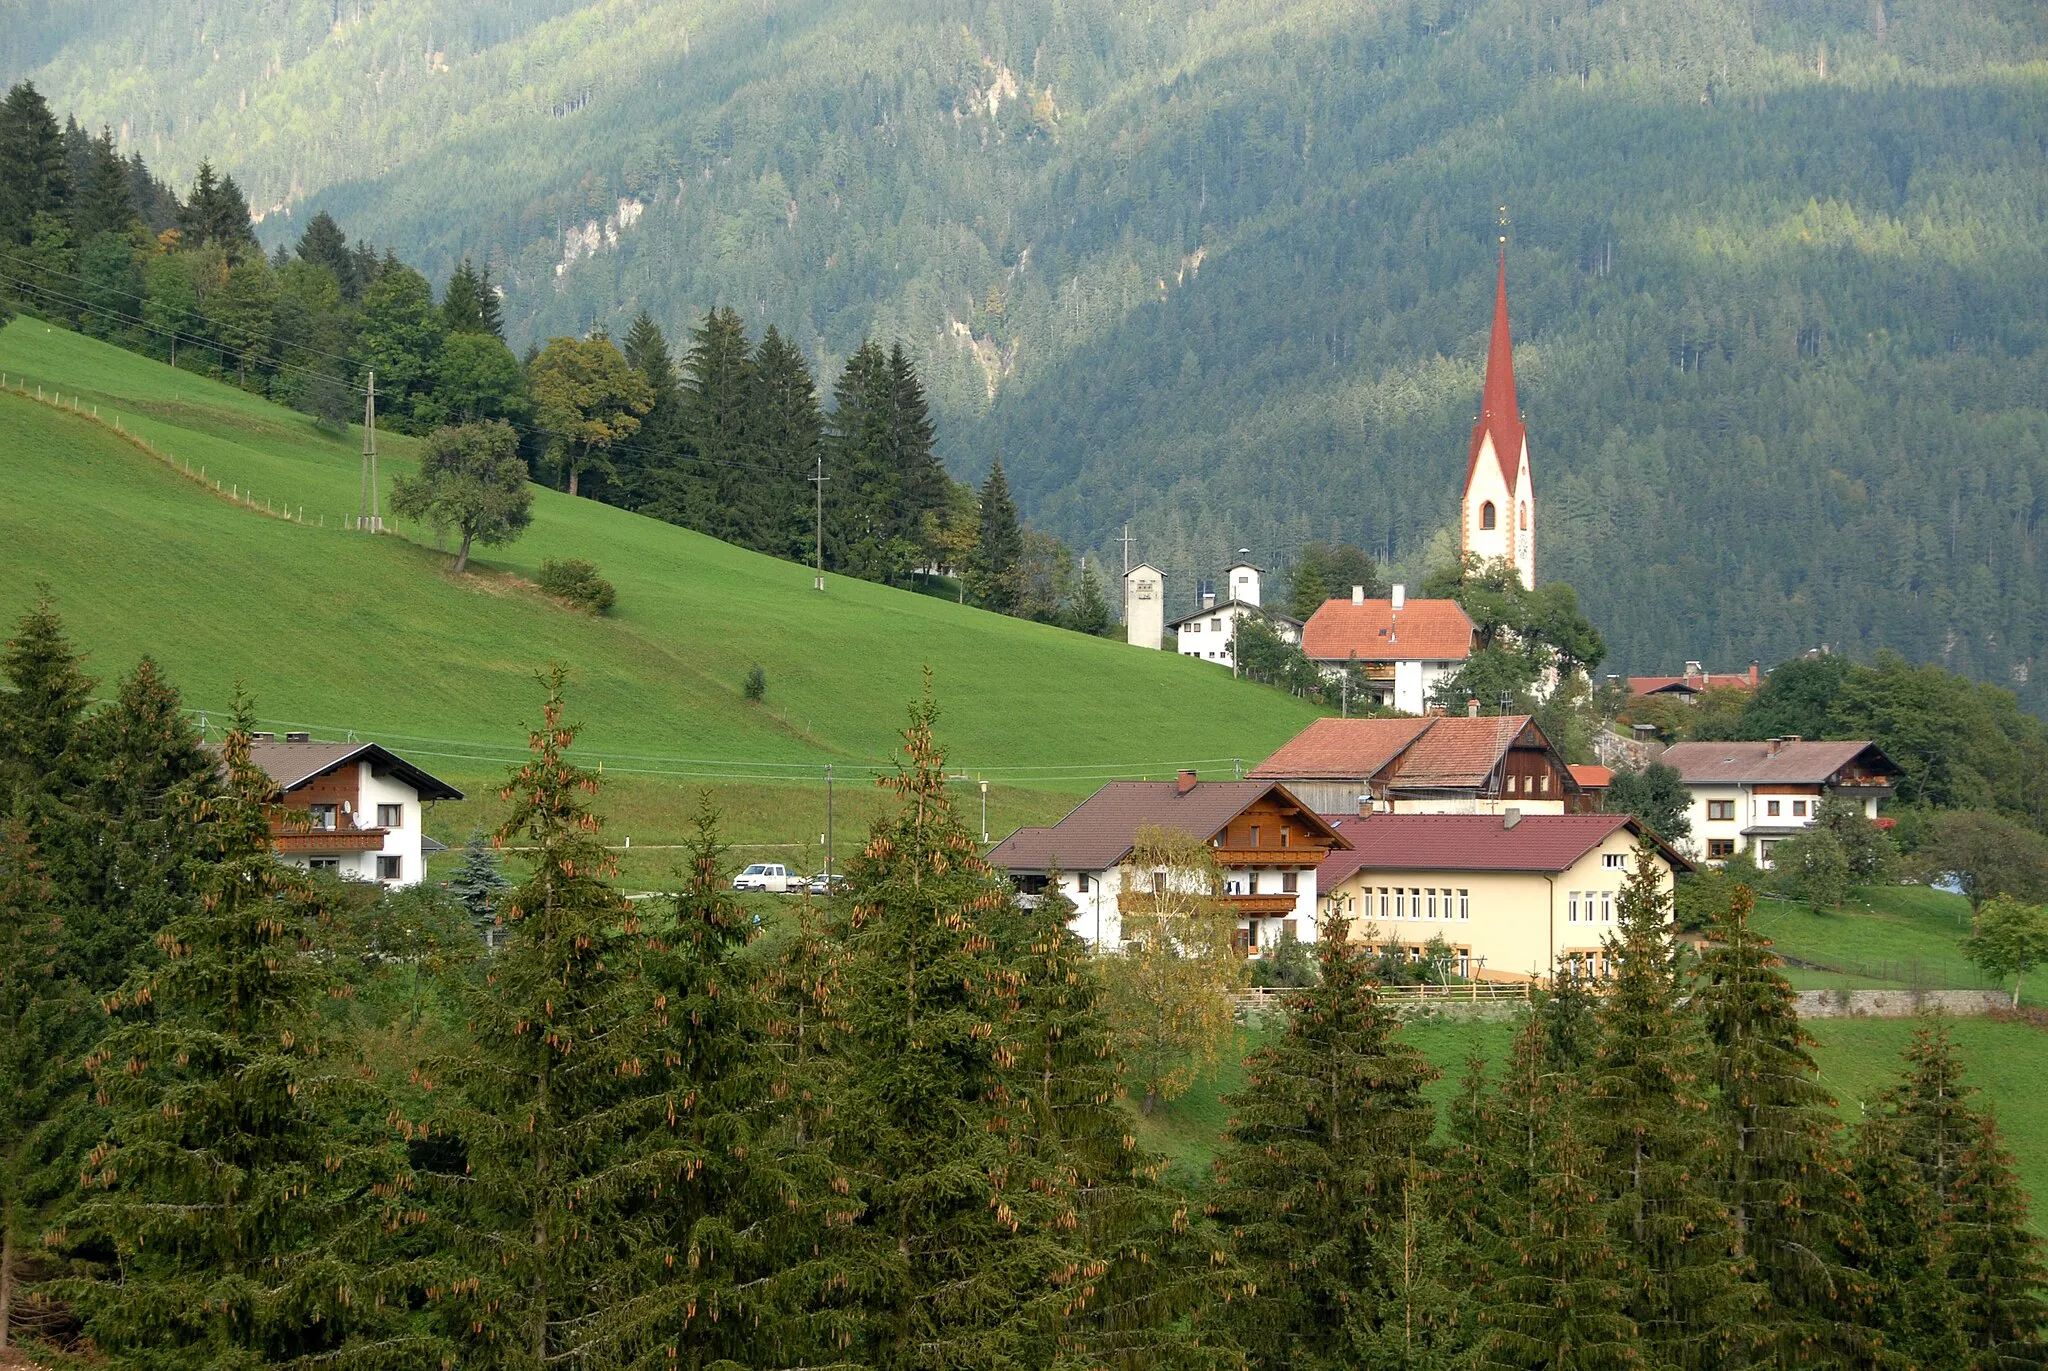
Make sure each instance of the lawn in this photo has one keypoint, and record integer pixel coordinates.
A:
(1883, 936)
(344, 633)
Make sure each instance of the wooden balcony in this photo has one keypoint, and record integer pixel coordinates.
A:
(1264, 906)
(328, 839)
(1270, 856)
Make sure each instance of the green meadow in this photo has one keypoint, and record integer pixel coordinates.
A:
(345, 633)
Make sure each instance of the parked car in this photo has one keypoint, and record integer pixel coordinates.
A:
(773, 877)
(821, 884)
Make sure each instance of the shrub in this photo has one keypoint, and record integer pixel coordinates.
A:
(577, 581)
(1290, 964)
(757, 682)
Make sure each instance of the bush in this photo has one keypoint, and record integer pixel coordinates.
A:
(757, 682)
(1289, 964)
(577, 581)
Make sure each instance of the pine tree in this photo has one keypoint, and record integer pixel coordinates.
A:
(789, 436)
(1994, 1259)
(1931, 1105)
(215, 213)
(1091, 606)
(105, 203)
(863, 495)
(545, 1102)
(1783, 1176)
(716, 403)
(1317, 1165)
(246, 1209)
(490, 306)
(34, 176)
(1907, 1312)
(998, 546)
(965, 1252)
(462, 303)
(479, 883)
(921, 479)
(41, 714)
(1647, 1119)
(323, 244)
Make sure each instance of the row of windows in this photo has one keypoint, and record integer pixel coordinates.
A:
(1529, 785)
(1195, 626)
(1590, 903)
(1431, 902)
(326, 817)
(1724, 810)
(388, 868)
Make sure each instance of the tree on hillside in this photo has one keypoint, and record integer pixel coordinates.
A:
(1317, 1173)
(1324, 571)
(400, 337)
(1090, 613)
(476, 378)
(471, 480)
(991, 572)
(323, 244)
(1169, 991)
(479, 883)
(585, 399)
(1897, 1254)
(41, 713)
(2008, 938)
(34, 176)
(215, 213)
(1654, 795)
(1986, 855)
(718, 428)
(104, 201)
(470, 303)
(1994, 1259)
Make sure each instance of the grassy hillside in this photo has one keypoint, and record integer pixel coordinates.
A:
(337, 631)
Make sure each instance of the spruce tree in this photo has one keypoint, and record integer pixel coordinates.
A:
(323, 244)
(479, 883)
(1994, 1259)
(543, 1105)
(1907, 1313)
(863, 495)
(41, 713)
(215, 213)
(105, 203)
(244, 1207)
(34, 176)
(1648, 1122)
(789, 437)
(998, 546)
(1782, 1175)
(965, 1253)
(1931, 1105)
(462, 303)
(921, 478)
(716, 404)
(1091, 607)
(1316, 1167)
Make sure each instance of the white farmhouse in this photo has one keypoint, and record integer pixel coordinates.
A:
(351, 808)
(1404, 648)
(1209, 633)
(1748, 796)
(1268, 843)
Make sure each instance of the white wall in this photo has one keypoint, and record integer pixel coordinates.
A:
(402, 842)
(1144, 607)
(1098, 922)
(1212, 644)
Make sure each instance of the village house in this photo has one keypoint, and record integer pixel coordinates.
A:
(1465, 764)
(1403, 648)
(355, 809)
(1267, 842)
(1748, 796)
(1210, 633)
(1512, 895)
(1696, 681)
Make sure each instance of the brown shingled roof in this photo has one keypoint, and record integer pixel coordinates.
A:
(1100, 831)
(1793, 763)
(1460, 752)
(1424, 630)
(293, 764)
(1453, 752)
(1472, 842)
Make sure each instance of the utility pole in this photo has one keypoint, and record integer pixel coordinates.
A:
(828, 828)
(1126, 541)
(818, 582)
(367, 514)
(984, 813)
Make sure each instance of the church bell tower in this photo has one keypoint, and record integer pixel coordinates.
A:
(1499, 511)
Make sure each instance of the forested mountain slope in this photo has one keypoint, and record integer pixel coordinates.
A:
(1778, 266)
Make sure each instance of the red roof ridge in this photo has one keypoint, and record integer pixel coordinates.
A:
(1500, 413)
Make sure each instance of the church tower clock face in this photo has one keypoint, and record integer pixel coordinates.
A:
(1499, 511)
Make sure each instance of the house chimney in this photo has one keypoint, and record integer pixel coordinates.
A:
(298, 737)
(1471, 709)
(1358, 595)
(1365, 805)
(1184, 782)
(262, 737)
(1510, 816)
(1208, 596)
(1773, 746)
(1400, 598)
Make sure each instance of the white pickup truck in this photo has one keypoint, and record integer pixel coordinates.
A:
(770, 876)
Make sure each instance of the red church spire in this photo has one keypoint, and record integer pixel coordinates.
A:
(1499, 412)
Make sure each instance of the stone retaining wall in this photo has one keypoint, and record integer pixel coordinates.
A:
(1897, 1004)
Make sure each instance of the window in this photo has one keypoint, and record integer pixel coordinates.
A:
(1283, 835)
(1159, 883)
(1721, 810)
(323, 817)
(391, 816)
(1487, 517)
(1215, 625)
(1432, 902)
(1544, 784)
(1606, 907)
(1525, 518)
(387, 868)
(1083, 879)
(1772, 808)
(1194, 626)
(1799, 809)
(1719, 849)
(1289, 883)
(325, 864)
(1464, 904)
(1614, 861)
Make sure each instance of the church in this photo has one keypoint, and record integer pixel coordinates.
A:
(1498, 515)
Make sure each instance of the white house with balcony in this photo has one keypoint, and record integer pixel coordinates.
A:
(1748, 796)
(355, 809)
(1209, 634)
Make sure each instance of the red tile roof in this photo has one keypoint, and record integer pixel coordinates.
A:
(1100, 831)
(1341, 749)
(1499, 412)
(1461, 752)
(1706, 680)
(1424, 630)
(1794, 763)
(1593, 777)
(1472, 842)
(1445, 752)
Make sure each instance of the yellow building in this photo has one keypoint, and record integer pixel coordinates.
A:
(1513, 894)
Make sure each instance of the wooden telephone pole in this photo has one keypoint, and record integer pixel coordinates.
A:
(368, 514)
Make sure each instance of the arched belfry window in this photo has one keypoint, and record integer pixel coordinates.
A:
(1486, 515)
(1525, 518)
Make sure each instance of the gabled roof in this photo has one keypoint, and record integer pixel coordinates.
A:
(1689, 685)
(1474, 842)
(1424, 630)
(1100, 832)
(1593, 777)
(1453, 752)
(291, 765)
(1273, 614)
(1500, 413)
(1792, 763)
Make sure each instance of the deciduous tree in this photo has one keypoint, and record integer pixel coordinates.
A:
(470, 479)
(2008, 939)
(586, 399)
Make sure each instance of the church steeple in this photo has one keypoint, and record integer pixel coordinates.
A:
(1500, 498)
